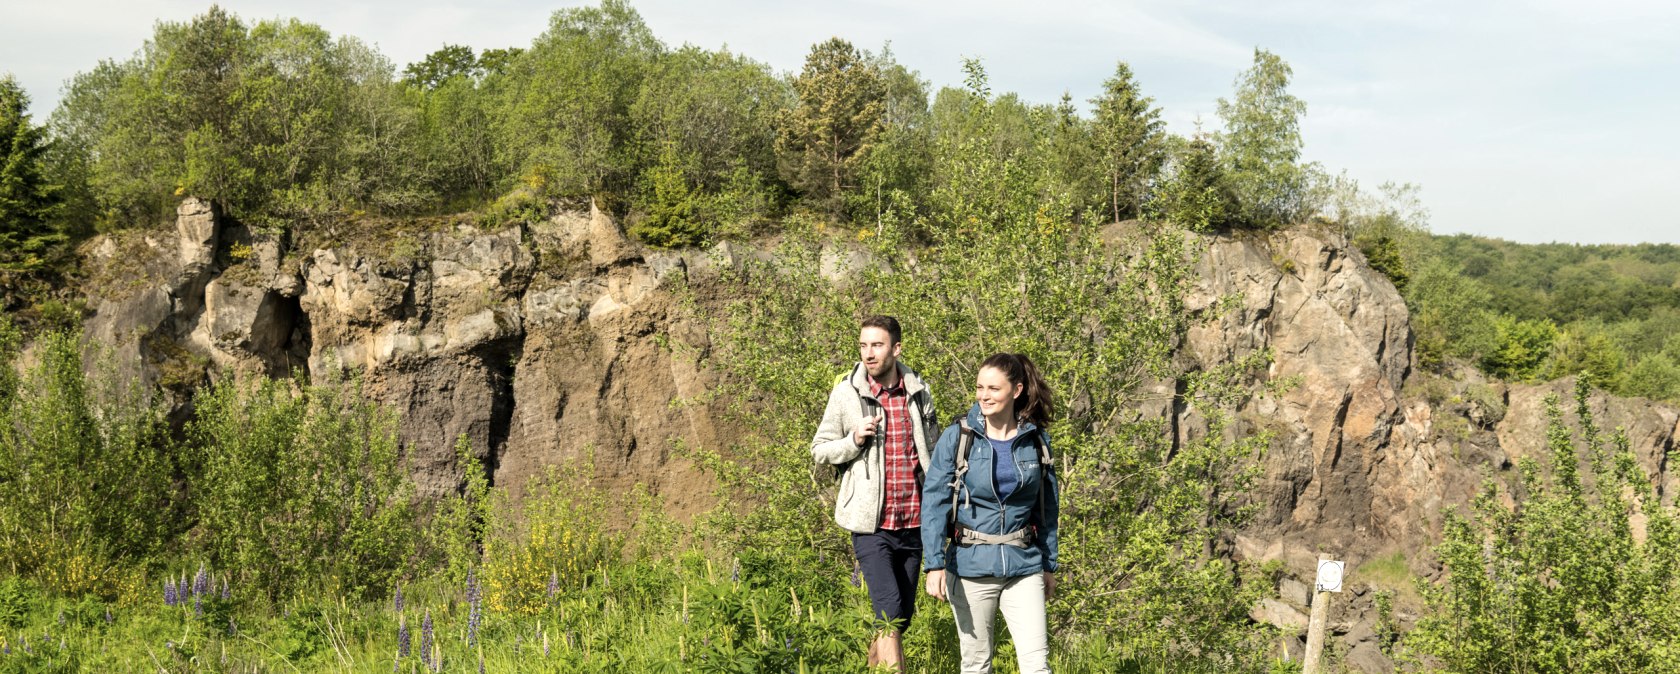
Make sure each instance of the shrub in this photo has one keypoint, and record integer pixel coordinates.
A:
(1563, 581)
(86, 474)
(299, 485)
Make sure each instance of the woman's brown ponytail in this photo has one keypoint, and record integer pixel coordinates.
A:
(1037, 403)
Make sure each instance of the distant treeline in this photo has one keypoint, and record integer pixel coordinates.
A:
(1541, 311)
(283, 124)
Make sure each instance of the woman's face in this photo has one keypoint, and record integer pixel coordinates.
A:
(994, 392)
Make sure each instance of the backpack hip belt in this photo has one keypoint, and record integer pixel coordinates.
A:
(1020, 538)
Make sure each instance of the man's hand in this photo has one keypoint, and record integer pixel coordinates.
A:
(936, 584)
(863, 433)
(1049, 586)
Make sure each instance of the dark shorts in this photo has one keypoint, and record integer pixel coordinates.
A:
(891, 563)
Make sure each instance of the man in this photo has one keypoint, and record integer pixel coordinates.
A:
(879, 429)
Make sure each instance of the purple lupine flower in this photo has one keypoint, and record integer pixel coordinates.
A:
(426, 639)
(856, 581)
(201, 581)
(397, 600)
(475, 617)
(402, 637)
(735, 572)
(475, 604)
(553, 583)
(226, 595)
(169, 592)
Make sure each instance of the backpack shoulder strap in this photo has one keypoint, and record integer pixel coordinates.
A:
(965, 441)
(1045, 468)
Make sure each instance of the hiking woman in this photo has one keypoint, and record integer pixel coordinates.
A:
(989, 519)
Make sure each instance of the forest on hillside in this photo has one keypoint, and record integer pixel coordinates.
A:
(272, 525)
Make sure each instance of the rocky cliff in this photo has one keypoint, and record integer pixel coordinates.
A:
(551, 343)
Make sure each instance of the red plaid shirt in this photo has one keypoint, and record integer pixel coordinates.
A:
(902, 508)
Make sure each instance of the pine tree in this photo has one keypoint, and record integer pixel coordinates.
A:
(1129, 140)
(823, 140)
(28, 200)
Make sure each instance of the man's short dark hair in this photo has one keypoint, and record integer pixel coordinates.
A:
(887, 323)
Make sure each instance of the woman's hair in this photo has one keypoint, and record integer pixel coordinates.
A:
(1036, 403)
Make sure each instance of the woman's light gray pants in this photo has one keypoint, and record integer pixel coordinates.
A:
(976, 602)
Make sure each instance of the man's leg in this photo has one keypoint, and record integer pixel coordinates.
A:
(907, 571)
(875, 553)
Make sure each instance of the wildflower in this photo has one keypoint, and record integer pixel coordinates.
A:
(735, 572)
(225, 594)
(169, 592)
(426, 636)
(475, 604)
(553, 583)
(397, 600)
(201, 582)
(856, 582)
(402, 637)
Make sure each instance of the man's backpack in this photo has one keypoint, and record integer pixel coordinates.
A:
(965, 442)
(825, 475)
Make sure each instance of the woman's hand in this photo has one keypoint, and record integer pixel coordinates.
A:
(1049, 586)
(936, 584)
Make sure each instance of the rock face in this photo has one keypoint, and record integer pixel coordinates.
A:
(549, 344)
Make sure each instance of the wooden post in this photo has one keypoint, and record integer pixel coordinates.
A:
(1315, 627)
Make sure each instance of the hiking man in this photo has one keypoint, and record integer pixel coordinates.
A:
(878, 430)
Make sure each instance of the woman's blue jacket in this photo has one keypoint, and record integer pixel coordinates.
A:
(978, 506)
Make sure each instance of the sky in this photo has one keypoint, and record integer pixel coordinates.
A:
(1549, 120)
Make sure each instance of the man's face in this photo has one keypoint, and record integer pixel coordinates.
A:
(877, 351)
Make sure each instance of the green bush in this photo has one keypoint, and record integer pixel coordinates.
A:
(301, 486)
(1582, 574)
(87, 472)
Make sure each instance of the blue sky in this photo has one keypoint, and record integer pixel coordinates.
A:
(1535, 121)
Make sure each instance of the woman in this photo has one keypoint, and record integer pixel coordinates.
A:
(989, 528)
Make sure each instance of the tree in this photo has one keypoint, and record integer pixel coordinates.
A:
(1261, 144)
(28, 200)
(1127, 133)
(1519, 348)
(565, 108)
(827, 134)
(1197, 193)
(276, 122)
(440, 66)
